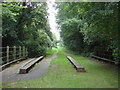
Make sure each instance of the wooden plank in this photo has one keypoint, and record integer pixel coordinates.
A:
(26, 52)
(19, 51)
(9, 63)
(29, 61)
(78, 67)
(22, 69)
(74, 62)
(7, 53)
(23, 51)
(103, 58)
(14, 52)
(27, 66)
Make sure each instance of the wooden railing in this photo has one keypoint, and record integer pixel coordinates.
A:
(9, 54)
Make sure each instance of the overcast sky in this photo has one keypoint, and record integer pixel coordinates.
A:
(52, 20)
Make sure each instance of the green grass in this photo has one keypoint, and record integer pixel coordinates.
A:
(50, 52)
(98, 75)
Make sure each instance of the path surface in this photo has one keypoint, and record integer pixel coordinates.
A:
(11, 74)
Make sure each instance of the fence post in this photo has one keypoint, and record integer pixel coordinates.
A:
(23, 51)
(14, 52)
(19, 51)
(7, 54)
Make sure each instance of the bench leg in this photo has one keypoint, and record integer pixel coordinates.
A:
(80, 70)
(22, 71)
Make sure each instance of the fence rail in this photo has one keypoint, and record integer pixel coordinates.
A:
(9, 54)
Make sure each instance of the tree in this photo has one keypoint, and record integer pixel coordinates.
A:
(98, 26)
(26, 24)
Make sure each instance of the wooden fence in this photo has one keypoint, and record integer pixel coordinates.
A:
(9, 54)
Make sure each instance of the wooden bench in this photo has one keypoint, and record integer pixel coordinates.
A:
(27, 66)
(104, 59)
(76, 65)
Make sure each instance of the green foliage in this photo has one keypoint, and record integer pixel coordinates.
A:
(38, 43)
(71, 36)
(26, 24)
(98, 23)
(54, 42)
(50, 52)
(115, 45)
(97, 26)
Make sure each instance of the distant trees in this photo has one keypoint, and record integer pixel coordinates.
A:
(26, 23)
(54, 43)
(86, 26)
(71, 35)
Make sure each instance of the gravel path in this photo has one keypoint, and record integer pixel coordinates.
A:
(11, 74)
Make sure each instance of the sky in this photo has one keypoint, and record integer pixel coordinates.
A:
(52, 19)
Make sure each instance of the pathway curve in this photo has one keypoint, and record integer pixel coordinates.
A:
(39, 71)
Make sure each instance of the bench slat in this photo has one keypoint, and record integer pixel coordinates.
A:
(28, 62)
(78, 67)
(75, 62)
(26, 67)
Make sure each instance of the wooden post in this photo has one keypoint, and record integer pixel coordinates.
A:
(26, 52)
(23, 51)
(19, 51)
(7, 54)
(14, 52)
